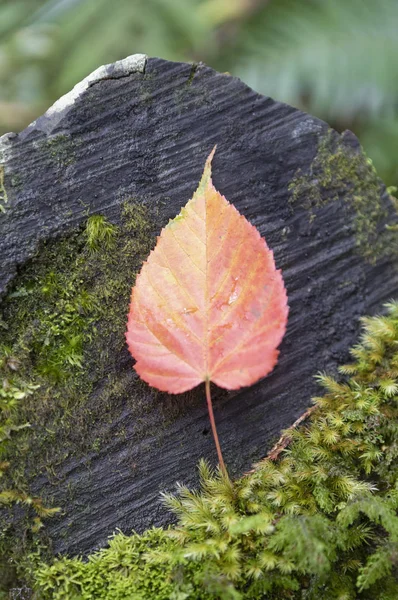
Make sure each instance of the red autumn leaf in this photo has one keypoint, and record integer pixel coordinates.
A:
(208, 304)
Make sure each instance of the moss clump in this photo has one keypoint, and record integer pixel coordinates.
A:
(319, 522)
(339, 172)
(62, 342)
(100, 233)
(118, 572)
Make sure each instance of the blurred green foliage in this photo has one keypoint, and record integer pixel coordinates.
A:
(334, 58)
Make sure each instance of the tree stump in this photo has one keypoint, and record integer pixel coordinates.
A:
(127, 146)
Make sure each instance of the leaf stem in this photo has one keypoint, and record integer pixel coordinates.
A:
(214, 428)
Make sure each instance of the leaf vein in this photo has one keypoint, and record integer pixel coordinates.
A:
(229, 270)
(171, 314)
(246, 284)
(161, 342)
(244, 340)
(185, 252)
(194, 232)
(221, 244)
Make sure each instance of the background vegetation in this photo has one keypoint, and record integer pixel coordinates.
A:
(336, 59)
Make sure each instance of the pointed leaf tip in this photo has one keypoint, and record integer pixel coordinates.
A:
(210, 157)
(208, 303)
(206, 175)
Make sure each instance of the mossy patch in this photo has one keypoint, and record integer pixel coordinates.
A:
(340, 172)
(63, 323)
(62, 347)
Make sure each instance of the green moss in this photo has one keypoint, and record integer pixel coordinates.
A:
(320, 521)
(64, 320)
(100, 233)
(63, 335)
(339, 172)
(119, 572)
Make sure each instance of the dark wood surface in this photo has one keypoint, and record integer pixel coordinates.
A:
(145, 134)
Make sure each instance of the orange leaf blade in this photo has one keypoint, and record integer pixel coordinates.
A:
(208, 303)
